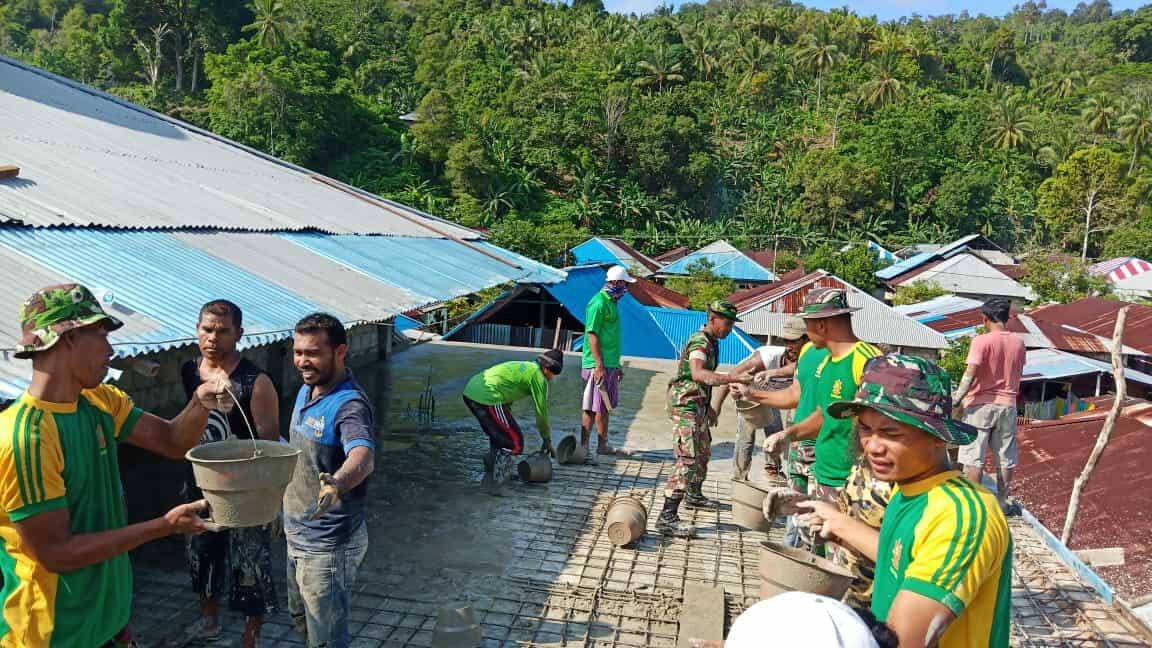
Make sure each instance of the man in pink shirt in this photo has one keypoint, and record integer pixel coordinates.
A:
(988, 395)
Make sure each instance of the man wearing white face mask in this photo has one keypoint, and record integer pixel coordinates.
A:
(600, 367)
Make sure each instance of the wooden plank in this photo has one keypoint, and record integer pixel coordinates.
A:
(1107, 557)
(702, 614)
(8, 171)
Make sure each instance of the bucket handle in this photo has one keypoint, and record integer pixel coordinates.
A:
(256, 452)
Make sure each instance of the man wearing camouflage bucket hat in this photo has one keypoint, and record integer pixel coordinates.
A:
(62, 516)
(690, 408)
(943, 553)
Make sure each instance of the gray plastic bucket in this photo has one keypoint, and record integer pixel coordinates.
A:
(243, 488)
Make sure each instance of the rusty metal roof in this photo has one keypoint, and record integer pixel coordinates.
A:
(1052, 454)
(1098, 315)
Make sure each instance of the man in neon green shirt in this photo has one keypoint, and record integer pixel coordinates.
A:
(943, 552)
(489, 396)
(600, 367)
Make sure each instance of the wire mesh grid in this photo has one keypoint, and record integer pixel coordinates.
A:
(1051, 608)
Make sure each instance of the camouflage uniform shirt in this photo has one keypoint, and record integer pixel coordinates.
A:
(686, 396)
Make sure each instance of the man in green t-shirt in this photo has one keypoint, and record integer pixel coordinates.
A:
(489, 396)
(600, 367)
(689, 407)
(943, 553)
(64, 533)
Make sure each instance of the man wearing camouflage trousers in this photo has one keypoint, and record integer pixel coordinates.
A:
(689, 407)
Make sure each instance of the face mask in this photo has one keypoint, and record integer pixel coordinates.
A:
(616, 292)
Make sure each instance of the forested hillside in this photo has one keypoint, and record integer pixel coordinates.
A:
(761, 122)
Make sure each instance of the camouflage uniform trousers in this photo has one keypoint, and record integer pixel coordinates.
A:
(692, 446)
(239, 560)
(864, 498)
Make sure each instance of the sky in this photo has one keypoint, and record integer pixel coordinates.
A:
(889, 9)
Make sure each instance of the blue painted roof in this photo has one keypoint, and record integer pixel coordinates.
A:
(730, 263)
(436, 269)
(405, 323)
(882, 253)
(912, 262)
(163, 278)
(643, 338)
(679, 324)
(594, 251)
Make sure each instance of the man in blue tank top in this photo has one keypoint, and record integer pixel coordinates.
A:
(324, 505)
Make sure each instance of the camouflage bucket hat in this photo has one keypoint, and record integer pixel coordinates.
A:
(910, 390)
(724, 308)
(826, 302)
(52, 311)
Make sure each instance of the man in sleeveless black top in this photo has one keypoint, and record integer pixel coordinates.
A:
(239, 560)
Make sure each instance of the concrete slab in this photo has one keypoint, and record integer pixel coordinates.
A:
(702, 616)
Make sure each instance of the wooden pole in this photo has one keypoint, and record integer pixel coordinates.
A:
(1109, 424)
(556, 338)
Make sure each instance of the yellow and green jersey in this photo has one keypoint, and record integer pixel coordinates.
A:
(837, 379)
(52, 456)
(945, 538)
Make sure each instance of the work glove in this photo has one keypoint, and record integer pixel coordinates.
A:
(329, 496)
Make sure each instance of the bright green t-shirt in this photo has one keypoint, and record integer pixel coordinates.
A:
(507, 382)
(837, 379)
(55, 456)
(946, 539)
(602, 317)
(807, 362)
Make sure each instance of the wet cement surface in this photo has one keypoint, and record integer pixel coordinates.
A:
(537, 566)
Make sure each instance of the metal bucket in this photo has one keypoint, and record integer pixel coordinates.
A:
(569, 451)
(626, 520)
(243, 488)
(535, 468)
(784, 569)
(456, 627)
(747, 506)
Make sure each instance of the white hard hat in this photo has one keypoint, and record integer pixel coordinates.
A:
(799, 619)
(619, 273)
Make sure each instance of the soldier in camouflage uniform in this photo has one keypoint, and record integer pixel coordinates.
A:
(864, 497)
(689, 407)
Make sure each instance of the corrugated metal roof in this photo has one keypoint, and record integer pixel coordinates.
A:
(434, 269)
(1098, 315)
(1051, 364)
(877, 322)
(616, 251)
(643, 338)
(726, 261)
(680, 324)
(334, 287)
(938, 307)
(164, 278)
(969, 274)
(87, 158)
(897, 269)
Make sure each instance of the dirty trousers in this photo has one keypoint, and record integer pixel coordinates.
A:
(238, 561)
(320, 583)
(692, 446)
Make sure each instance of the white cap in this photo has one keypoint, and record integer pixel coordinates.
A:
(619, 273)
(800, 619)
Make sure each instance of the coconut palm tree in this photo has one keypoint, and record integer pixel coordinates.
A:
(701, 45)
(1099, 115)
(271, 23)
(659, 69)
(1063, 86)
(884, 88)
(820, 55)
(1136, 128)
(1064, 142)
(1011, 123)
(753, 55)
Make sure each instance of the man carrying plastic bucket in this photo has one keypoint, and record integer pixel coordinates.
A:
(67, 578)
(239, 559)
(600, 366)
(943, 553)
(325, 503)
(489, 396)
(690, 409)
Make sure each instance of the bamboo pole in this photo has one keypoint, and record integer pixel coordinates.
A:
(556, 338)
(1109, 424)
